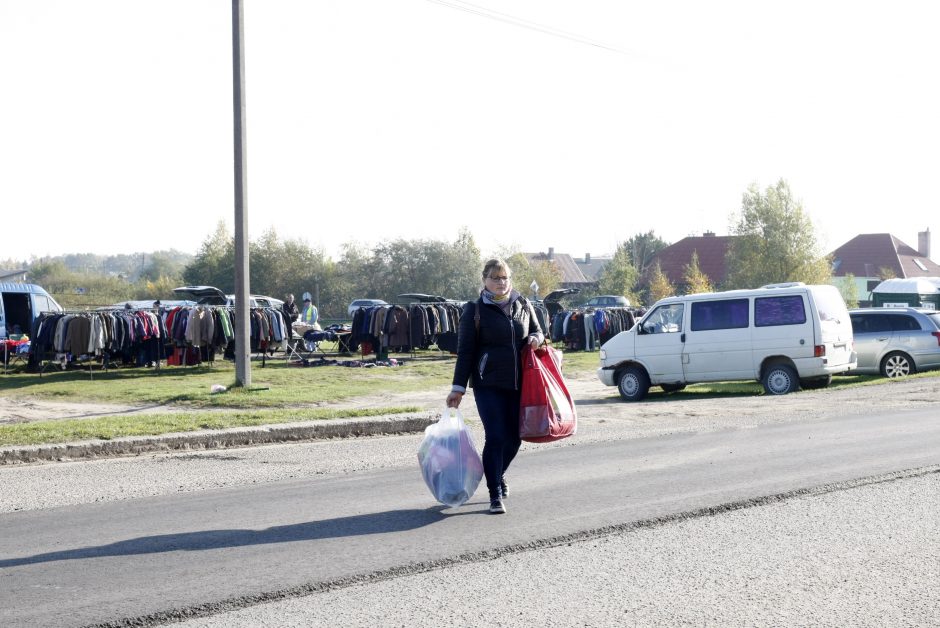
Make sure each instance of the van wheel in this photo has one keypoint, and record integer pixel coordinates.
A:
(815, 383)
(634, 383)
(671, 388)
(897, 364)
(780, 379)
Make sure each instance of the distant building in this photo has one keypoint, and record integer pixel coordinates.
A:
(592, 266)
(13, 276)
(866, 255)
(711, 250)
(571, 274)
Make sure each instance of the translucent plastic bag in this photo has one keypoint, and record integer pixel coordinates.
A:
(449, 461)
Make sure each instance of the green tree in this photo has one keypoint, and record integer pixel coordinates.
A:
(849, 290)
(694, 279)
(776, 241)
(543, 272)
(620, 275)
(214, 264)
(165, 264)
(642, 249)
(434, 267)
(659, 285)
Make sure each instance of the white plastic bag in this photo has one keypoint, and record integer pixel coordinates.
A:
(451, 466)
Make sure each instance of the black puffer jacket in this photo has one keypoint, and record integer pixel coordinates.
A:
(491, 356)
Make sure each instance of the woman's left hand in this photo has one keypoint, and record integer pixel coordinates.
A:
(534, 342)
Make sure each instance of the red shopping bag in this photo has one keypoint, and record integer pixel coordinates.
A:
(546, 411)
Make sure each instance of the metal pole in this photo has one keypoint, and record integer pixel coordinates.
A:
(242, 347)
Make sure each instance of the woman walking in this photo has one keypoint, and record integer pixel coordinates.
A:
(492, 333)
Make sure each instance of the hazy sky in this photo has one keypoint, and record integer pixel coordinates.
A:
(541, 123)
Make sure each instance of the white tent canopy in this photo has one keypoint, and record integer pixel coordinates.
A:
(913, 285)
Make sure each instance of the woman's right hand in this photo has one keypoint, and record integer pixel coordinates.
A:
(453, 399)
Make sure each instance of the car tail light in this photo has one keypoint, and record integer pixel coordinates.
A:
(819, 351)
(936, 334)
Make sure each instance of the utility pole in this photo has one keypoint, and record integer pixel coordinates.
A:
(242, 348)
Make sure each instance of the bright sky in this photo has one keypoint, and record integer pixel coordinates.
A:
(536, 123)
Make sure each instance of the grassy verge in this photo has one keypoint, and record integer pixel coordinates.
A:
(275, 385)
(109, 427)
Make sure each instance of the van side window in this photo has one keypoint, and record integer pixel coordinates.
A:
(708, 315)
(783, 310)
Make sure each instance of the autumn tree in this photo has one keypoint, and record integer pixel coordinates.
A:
(659, 284)
(775, 241)
(694, 280)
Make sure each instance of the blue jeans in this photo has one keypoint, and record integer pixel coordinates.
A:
(499, 412)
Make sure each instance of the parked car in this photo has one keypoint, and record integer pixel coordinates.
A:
(358, 303)
(782, 335)
(209, 295)
(607, 300)
(896, 341)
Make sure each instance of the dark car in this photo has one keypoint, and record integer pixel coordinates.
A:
(607, 300)
(210, 295)
(896, 341)
(358, 303)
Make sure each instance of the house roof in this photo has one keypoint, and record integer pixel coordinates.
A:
(711, 251)
(572, 277)
(591, 266)
(12, 275)
(866, 254)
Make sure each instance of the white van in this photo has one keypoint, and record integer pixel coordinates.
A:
(782, 335)
(21, 304)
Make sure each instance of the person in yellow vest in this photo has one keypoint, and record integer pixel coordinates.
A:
(309, 314)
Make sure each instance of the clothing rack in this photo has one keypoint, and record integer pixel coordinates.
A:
(407, 303)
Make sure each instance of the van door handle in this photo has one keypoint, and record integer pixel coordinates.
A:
(682, 337)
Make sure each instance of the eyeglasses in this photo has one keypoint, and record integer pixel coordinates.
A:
(498, 279)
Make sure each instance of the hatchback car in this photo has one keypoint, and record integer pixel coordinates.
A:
(896, 341)
(358, 303)
(607, 300)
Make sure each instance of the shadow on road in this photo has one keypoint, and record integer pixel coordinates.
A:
(373, 523)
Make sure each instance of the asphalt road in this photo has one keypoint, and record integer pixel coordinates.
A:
(169, 557)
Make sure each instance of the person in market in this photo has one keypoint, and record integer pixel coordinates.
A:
(308, 313)
(290, 312)
(489, 357)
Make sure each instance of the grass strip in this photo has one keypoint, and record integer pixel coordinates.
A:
(110, 427)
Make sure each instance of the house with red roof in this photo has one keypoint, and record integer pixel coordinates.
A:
(711, 251)
(867, 257)
(872, 257)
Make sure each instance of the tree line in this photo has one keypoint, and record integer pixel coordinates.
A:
(776, 242)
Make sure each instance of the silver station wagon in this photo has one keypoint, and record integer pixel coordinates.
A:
(896, 341)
